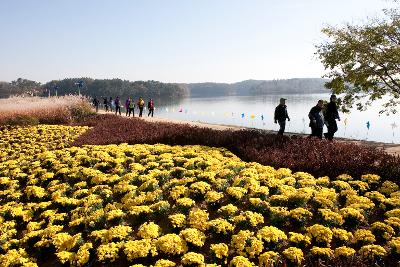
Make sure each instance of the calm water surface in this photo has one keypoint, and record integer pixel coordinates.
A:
(258, 112)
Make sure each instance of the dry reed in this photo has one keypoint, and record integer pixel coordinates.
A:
(64, 109)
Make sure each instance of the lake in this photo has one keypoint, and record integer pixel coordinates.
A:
(258, 112)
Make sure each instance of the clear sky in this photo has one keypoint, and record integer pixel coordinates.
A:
(169, 40)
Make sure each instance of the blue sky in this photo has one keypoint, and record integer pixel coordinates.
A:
(169, 40)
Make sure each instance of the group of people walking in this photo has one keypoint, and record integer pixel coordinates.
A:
(115, 105)
(319, 116)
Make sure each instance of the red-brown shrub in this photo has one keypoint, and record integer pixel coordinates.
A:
(298, 153)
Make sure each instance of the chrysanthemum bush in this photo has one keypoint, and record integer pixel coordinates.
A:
(35, 110)
(317, 157)
(160, 205)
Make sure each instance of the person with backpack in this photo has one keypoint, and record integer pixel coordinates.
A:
(140, 104)
(131, 107)
(281, 115)
(150, 106)
(317, 119)
(117, 106)
(331, 115)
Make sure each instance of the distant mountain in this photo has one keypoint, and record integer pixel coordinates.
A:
(259, 87)
(291, 86)
(244, 87)
(209, 89)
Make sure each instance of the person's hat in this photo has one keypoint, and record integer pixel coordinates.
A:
(282, 99)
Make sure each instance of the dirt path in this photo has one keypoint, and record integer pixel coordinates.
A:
(393, 149)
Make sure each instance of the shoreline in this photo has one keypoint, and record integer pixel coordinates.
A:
(390, 148)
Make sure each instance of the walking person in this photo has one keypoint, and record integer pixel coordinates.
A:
(111, 103)
(127, 103)
(317, 119)
(150, 106)
(140, 106)
(105, 102)
(117, 106)
(96, 103)
(281, 115)
(331, 115)
(131, 108)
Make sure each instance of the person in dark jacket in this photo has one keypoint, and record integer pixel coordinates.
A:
(96, 103)
(105, 102)
(281, 115)
(150, 106)
(331, 115)
(117, 105)
(127, 103)
(111, 103)
(317, 119)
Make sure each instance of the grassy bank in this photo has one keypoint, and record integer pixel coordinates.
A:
(35, 110)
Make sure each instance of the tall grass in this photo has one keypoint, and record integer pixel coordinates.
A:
(51, 110)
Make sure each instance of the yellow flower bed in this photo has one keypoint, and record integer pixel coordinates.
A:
(165, 205)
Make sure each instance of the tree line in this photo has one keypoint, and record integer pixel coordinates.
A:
(94, 88)
(154, 89)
